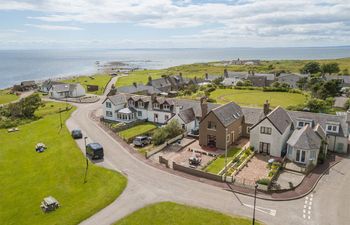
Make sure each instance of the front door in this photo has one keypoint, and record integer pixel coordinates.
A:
(300, 156)
(264, 148)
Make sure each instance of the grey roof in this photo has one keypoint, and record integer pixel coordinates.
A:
(187, 115)
(28, 83)
(162, 84)
(239, 75)
(290, 78)
(305, 138)
(61, 87)
(138, 88)
(228, 113)
(252, 115)
(269, 76)
(48, 83)
(320, 131)
(186, 103)
(322, 119)
(117, 99)
(212, 77)
(280, 119)
(258, 81)
(340, 101)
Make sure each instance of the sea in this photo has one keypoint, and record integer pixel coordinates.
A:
(20, 65)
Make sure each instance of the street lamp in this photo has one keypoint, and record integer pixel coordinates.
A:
(87, 161)
(256, 187)
(225, 148)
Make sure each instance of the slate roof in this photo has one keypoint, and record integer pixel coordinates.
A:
(162, 84)
(48, 84)
(138, 88)
(290, 78)
(61, 87)
(269, 76)
(320, 131)
(252, 115)
(28, 83)
(187, 115)
(228, 113)
(305, 138)
(280, 119)
(258, 81)
(239, 75)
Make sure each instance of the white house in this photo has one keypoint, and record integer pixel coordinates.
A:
(59, 91)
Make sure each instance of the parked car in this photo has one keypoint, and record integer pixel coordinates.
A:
(95, 151)
(77, 134)
(141, 141)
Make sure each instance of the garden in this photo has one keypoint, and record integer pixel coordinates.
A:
(168, 213)
(58, 171)
(219, 163)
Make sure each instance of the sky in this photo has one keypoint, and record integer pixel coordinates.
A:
(30, 24)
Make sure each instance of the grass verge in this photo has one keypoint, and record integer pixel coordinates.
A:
(137, 130)
(168, 213)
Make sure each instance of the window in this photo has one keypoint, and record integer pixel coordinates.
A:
(166, 117)
(140, 104)
(109, 114)
(228, 138)
(304, 123)
(108, 105)
(290, 150)
(300, 124)
(211, 125)
(139, 113)
(166, 107)
(332, 128)
(312, 155)
(131, 102)
(156, 105)
(265, 130)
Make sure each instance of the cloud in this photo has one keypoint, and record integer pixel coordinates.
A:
(235, 20)
(54, 27)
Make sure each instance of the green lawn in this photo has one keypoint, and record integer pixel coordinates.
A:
(27, 177)
(137, 130)
(168, 213)
(256, 98)
(5, 97)
(219, 163)
(100, 79)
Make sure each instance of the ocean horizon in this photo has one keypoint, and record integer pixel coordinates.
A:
(20, 65)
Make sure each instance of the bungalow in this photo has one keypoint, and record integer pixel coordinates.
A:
(47, 84)
(290, 78)
(59, 91)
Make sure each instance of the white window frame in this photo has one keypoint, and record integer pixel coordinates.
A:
(108, 105)
(312, 155)
(140, 104)
(156, 105)
(109, 114)
(332, 128)
(131, 102)
(166, 107)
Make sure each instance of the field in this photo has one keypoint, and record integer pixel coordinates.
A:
(200, 69)
(168, 213)
(27, 176)
(6, 98)
(137, 130)
(256, 98)
(218, 164)
(100, 79)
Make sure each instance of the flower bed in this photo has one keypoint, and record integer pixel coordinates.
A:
(240, 161)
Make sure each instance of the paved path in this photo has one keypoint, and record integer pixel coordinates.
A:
(147, 184)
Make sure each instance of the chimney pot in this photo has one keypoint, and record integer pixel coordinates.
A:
(266, 107)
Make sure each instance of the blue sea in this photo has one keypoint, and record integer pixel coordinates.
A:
(18, 65)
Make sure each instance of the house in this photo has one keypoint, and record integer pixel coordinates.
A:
(47, 84)
(290, 78)
(271, 133)
(59, 91)
(138, 89)
(25, 86)
(345, 80)
(128, 108)
(221, 126)
(167, 83)
(261, 79)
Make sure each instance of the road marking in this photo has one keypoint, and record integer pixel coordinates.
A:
(271, 212)
(307, 205)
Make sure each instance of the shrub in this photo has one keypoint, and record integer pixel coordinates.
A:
(264, 181)
(169, 131)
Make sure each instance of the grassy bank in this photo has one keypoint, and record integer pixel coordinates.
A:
(27, 176)
(101, 80)
(5, 97)
(168, 213)
(137, 130)
(256, 98)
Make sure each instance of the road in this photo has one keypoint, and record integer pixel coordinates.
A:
(147, 185)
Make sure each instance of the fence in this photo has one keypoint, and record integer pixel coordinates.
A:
(198, 173)
(163, 161)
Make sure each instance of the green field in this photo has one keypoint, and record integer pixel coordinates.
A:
(100, 79)
(256, 98)
(219, 163)
(168, 213)
(5, 97)
(27, 176)
(137, 130)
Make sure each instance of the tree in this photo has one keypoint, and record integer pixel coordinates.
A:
(284, 85)
(345, 71)
(276, 84)
(247, 83)
(171, 130)
(302, 83)
(329, 88)
(330, 68)
(311, 67)
(30, 104)
(318, 105)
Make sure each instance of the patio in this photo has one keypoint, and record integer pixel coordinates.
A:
(255, 169)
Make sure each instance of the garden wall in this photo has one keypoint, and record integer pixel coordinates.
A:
(197, 173)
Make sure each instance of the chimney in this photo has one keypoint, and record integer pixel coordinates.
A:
(153, 97)
(266, 107)
(149, 79)
(204, 106)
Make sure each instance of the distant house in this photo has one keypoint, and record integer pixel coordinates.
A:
(47, 84)
(290, 78)
(59, 91)
(261, 79)
(138, 89)
(25, 86)
(345, 80)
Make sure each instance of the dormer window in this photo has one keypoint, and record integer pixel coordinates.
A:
(156, 105)
(166, 107)
(140, 104)
(333, 128)
(131, 102)
(108, 105)
(302, 123)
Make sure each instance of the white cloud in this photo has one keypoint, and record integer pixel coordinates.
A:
(54, 27)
